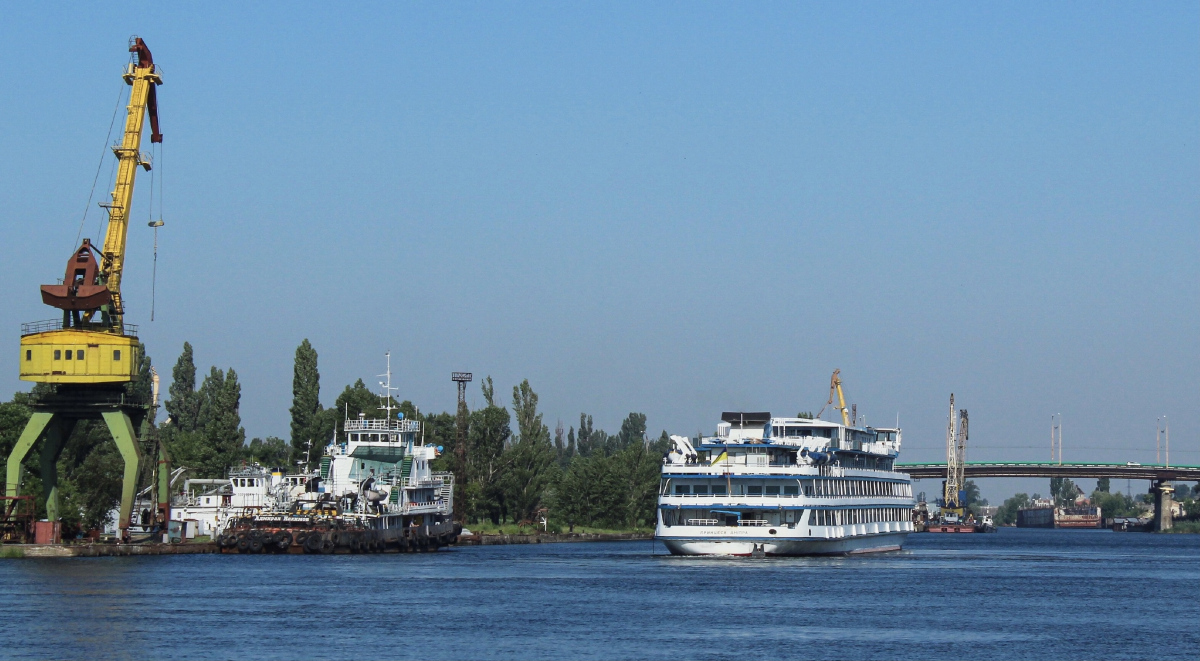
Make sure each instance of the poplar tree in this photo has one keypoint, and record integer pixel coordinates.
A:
(530, 461)
(222, 432)
(306, 398)
(184, 405)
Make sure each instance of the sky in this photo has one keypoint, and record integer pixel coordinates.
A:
(671, 208)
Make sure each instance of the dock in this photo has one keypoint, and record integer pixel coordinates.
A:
(102, 550)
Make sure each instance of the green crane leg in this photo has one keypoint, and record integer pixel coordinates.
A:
(121, 428)
(53, 440)
(33, 429)
(164, 480)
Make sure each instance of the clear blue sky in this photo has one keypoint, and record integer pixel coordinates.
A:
(679, 209)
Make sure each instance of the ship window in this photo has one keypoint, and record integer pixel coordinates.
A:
(28, 354)
(116, 354)
(772, 491)
(69, 353)
(682, 489)
(792, 490)
(79, 355)
(752, 490)
(700, 490)
(718, 489)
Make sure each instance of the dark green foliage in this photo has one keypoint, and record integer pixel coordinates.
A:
(1102, 484)
(807, 415)
(1064, 491)
(306, 399)
(184, 405)
(1006, 514)
(271, 452)
(487, 436)
(973, 501)
(204, 432)
(529, 461)
(1116, 504)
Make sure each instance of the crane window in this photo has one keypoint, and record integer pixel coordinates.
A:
(69, 354)
(57, 354)
(79, 355)
(116, 354)
(28, 354)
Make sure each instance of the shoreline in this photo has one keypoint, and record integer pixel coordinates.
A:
(550, 538)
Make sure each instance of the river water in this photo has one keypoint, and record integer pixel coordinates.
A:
(1016, 594)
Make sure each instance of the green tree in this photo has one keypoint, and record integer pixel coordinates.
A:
(973, 500)
(271, 451)
(221, 431)
(184, 405)
(306, 398)
(529, 460)
(1102, 484)
(1006, 514)
(487, 435)
(1063, 491)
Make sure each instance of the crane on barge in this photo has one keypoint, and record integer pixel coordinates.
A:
(91, 353)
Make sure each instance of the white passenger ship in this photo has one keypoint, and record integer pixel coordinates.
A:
(784, 486)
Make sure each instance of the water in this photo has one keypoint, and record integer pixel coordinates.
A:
(1017, 594)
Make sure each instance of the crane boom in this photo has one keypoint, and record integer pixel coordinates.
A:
(143, 77)
(80, 349)
(835, 388)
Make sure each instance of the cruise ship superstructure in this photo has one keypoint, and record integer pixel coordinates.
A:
(766, 485)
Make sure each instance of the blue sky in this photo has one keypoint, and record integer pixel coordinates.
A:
(677, 209)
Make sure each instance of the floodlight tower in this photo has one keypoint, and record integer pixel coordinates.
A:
(460, 442)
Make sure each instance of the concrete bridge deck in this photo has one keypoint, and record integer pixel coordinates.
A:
(1127, 471)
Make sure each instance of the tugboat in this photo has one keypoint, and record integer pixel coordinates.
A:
(374, 491)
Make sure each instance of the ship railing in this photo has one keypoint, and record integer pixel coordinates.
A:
(754, 522)
(736, 495)
(703, 522)
(375, 424)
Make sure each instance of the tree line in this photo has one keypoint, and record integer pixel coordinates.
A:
(511, 470)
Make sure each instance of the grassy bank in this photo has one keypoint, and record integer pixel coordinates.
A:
(489, 528)
(1185, 527)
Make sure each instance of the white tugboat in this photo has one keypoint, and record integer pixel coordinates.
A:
(375, 491)
(766, 485)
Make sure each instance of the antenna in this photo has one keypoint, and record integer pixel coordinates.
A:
(387, 387)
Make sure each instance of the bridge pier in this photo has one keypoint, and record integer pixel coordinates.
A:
(1162, 490)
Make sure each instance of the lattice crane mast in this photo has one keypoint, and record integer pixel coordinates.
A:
(953, 495)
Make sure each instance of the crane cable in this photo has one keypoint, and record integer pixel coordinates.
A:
(99, 166)
(155, 223)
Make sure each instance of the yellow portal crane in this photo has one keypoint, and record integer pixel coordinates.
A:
(81, 349)
(90, 360)
(835, 387)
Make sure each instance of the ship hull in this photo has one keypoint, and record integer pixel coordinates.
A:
(741, 546)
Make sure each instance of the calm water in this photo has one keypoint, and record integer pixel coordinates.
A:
(1017, 594)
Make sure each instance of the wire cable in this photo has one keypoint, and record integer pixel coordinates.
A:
(99, 166)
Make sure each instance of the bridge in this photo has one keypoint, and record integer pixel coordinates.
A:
(1128, 471)
(1159, 475)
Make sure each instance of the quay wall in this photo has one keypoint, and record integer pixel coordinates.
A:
(101, 550)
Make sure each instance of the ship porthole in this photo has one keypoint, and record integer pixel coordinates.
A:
(772, 531)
